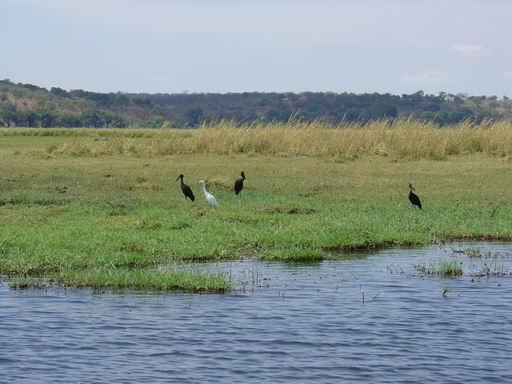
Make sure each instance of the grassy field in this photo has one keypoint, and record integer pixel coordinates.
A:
(100, 218)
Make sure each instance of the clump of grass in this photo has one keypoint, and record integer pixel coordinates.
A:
(449, 268)
(25, 282)
(444, 267)
(124, 278)
(469, 252)
(80, 146)
(219, 183)
(289, 210)
(491, 267)
(294, 255)
(479, 253)
(32, 201)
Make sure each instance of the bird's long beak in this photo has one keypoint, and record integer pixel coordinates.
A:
(177, 178)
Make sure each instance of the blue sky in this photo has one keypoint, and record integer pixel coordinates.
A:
(397, 46)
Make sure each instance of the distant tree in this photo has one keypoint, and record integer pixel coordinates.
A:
(78, 93)
(432, 107)
(58, 92)
(8, 114)
(352, 114)
(121, 100)
(32, 87)
(154, 121)
(69, 120)
(31, 119)
(380, 112)
(427, 116)
(101, 99)
(142, 102)
(278, 114)
(114, 121)
(93, 118)
(47, 118)
(194, 116)
(18, 103)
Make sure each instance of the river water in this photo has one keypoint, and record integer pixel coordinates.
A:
(372, 318)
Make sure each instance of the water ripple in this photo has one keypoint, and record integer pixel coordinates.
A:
(303, 324)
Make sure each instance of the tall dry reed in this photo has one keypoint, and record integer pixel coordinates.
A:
(399, 139)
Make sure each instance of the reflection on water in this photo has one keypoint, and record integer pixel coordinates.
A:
(373, 319)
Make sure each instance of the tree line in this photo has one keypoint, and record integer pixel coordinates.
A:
(27, 105)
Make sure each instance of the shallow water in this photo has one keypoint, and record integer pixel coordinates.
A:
(286, 324)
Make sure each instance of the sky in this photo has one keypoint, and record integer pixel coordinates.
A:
(174, 46)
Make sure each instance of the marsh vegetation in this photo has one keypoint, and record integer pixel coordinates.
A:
(393, 139)
(74, 207)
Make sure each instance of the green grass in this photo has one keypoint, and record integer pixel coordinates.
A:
(79, 217)
(124, 278)
(444, 267)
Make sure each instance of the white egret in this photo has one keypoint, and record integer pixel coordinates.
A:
(208, 196)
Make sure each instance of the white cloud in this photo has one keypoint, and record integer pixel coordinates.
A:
(507, 75)
(468, 50)
(430, 78)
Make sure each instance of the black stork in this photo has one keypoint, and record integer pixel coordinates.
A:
(413, 198)
(186, 189)
(239, 185)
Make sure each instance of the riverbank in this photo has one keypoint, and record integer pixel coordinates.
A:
(124, 216)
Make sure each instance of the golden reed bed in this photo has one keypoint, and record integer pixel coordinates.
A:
(399, 139)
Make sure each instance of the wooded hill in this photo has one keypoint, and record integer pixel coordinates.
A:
(27, 105)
